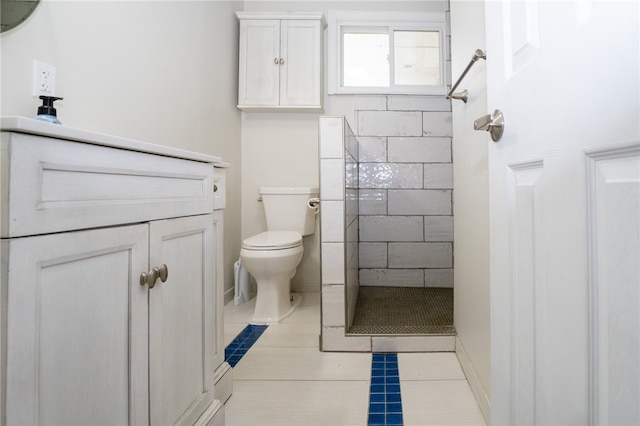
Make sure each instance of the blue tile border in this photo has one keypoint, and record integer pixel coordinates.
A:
(234, 352)
(385, 402)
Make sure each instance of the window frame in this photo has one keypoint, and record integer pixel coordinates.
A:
(385, 22)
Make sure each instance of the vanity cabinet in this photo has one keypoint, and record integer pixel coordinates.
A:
(92, 330)
(280, 61)
(223, 372)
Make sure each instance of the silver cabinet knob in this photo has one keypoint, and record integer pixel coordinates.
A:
(275, 61)
(281, 61)
(152, 276)
(494, 124)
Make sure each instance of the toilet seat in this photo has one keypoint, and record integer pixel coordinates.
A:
(273, 240)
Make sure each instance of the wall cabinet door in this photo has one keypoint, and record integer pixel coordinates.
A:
(259, 82)
(280, 64)
(77, 327)
(181, 320)
(301, 70)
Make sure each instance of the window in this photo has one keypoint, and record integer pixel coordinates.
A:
(386, 53)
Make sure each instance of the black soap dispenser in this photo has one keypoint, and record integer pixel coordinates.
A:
(46, 112)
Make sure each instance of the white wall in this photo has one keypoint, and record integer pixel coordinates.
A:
(470, 201)
(282, 148)
(161, 72)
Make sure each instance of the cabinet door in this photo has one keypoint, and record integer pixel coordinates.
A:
(301, 73)
(259, 62)
(181, 320)
(76, 320)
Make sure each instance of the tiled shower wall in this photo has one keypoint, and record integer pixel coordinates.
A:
(339, 221)
(403, 219)
(406, 183)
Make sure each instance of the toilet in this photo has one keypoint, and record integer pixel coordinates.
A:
(273, 256)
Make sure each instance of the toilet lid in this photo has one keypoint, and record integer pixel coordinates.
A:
(273, 240)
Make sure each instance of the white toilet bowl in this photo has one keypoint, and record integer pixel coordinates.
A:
(272, 258)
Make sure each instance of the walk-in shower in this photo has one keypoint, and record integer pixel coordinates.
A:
(387, 231)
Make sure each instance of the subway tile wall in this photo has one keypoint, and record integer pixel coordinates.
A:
(386, 215)
(404, 213)
(352, 215)
(406, 184)
(339, 219)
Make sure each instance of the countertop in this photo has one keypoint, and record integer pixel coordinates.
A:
(42, 128)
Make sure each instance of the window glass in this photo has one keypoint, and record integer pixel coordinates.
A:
(365, 59)
(387, 52)
(416, 58)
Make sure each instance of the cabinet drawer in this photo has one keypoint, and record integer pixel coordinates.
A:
(51, 185)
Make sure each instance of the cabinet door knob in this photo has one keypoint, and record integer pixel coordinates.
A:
(275, 61)
(281, 61)
(152, 276)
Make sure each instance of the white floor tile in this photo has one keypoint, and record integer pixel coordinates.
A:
(439, 402)
(240, 313)
(308, 312)
(298, 403)
(285, 380)
(288, 334)
(429, 366)
(287, 363)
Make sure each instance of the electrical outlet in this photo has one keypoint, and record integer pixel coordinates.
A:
(44, 79)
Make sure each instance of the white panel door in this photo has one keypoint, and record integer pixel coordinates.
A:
(181, 320)
(259, 63)
(301, 71)
(564, 206)
(77, 328)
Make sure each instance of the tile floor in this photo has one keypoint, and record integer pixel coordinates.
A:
(285, 380)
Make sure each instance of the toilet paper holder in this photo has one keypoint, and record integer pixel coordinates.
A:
(314, 203)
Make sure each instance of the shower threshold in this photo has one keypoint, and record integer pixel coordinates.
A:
(403, 311)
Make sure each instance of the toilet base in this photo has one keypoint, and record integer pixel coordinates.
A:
(256, 320)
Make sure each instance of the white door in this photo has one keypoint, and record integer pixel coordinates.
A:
(77, 328)
(564, 206)
(181, 320)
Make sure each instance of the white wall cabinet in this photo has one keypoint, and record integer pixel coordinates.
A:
(280, 61)
(84, 339)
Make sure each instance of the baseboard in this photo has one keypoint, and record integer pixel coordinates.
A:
(228, 295)
(474, 382)
(213, 416)
(223, 382)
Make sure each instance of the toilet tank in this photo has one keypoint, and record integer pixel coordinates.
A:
(286, 208)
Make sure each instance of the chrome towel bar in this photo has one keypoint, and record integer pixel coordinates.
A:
(463, 96)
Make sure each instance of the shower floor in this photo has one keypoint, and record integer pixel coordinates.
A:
(403, 310)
